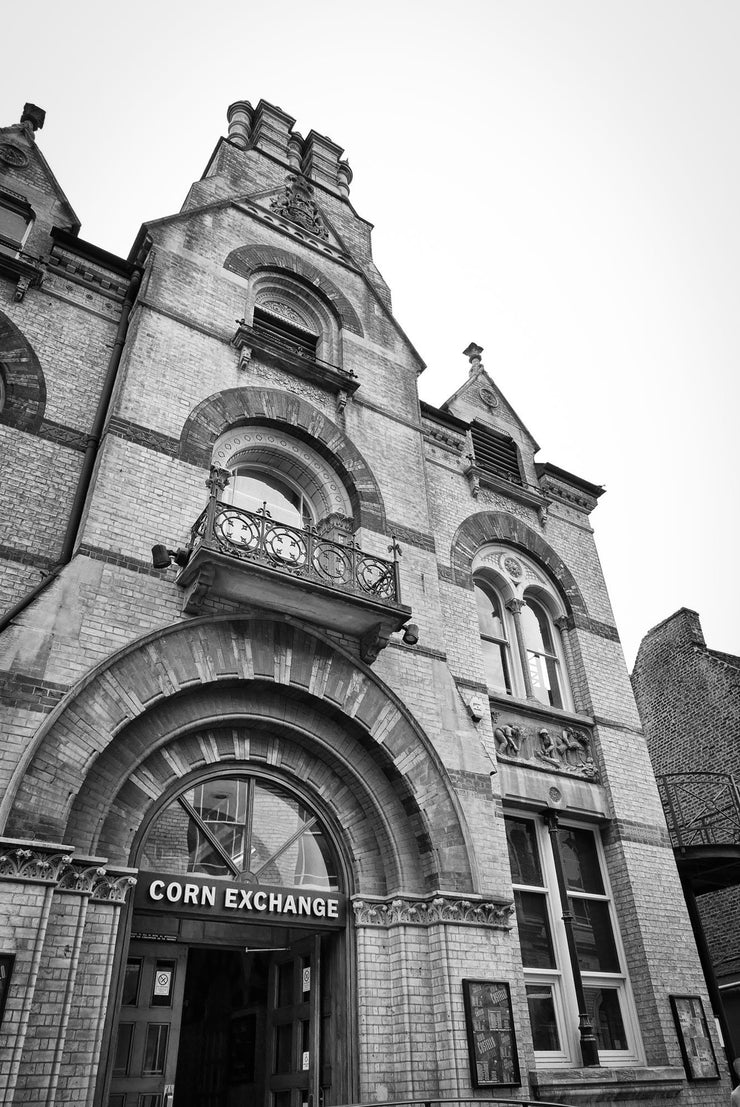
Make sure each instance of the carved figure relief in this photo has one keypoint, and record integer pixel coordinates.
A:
(296, 203)
(565, 749)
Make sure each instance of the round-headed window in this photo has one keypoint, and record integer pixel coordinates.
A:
(242, 827)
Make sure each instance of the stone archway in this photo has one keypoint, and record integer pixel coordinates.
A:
(197, 691)
(286, 411)
(497, 526)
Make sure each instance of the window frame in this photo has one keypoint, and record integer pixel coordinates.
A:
(17, 205)
(492, 594)
(560, 977)
(515, 579)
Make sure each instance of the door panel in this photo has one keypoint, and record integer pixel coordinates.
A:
(145, 1054)
(293, 1026)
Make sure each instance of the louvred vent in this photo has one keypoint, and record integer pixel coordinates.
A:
(496, 454)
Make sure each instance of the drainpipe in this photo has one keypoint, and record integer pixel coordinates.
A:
(88, 461)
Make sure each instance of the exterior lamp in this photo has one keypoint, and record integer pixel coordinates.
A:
(162, 557)
(411, 634)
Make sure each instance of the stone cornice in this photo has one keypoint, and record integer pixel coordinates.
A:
(432, 910)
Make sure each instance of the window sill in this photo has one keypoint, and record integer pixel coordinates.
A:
(25, 273)
(608, 1085)
(537, 709)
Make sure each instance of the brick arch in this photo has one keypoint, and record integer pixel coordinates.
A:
(497, 526)
(247, 260)
(270, 406)
(25, 386)
(317, 702)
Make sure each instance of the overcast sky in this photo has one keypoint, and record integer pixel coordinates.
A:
(556, 180)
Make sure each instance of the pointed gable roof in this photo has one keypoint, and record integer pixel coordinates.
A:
(480, 399)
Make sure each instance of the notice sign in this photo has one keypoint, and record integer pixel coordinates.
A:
(491, 1040)
(197, 895)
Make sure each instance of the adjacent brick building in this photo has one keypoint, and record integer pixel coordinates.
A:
(315, 712)
(689, 701)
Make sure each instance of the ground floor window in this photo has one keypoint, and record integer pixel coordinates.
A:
(550, 984)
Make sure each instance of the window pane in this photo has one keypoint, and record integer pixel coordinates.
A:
(534, 930)
(494, 662)
(123, 1048)
(524, 855)
(542, 1017)
(252, 489)
(131, 982)
(283, 1048)
(535, 628)
(490, 616)
(155, 1048)
(543, 672)
(580, 861)
(593, 934)
(602, 1005)
(12, 225)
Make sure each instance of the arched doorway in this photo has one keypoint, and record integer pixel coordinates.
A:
(232, 989)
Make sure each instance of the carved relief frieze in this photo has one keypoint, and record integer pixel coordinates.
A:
(563, 749)
(37, 863)
(407, 911)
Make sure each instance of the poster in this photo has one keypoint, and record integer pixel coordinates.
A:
(491, 1040)
(693, 1036)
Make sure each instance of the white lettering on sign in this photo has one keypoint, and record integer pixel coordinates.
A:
(234, 898)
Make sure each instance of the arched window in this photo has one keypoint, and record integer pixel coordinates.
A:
(522, 647)
(542, 658)
(242, 827)
(494, 638)
(255, 489)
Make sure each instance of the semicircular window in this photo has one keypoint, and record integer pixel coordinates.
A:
(243, 828)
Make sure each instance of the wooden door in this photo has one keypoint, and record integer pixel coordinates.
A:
(293, 1026)
(145, 1058)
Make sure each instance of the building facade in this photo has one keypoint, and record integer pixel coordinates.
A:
(689, 701)
(322, 778)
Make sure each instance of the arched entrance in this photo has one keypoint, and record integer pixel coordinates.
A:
(281, 707)
(232, 990)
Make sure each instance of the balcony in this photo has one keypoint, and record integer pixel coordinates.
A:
(703, 815)
(277, 350)
(251, 558)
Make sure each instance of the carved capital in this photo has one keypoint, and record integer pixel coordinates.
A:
(516, 606)
(37, 864)
(454, 910)
(112, 886)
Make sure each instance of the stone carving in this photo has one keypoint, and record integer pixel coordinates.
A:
(297, 204)
(489, 398)
(34, 863)
(563, 749)
(13, 155)
(284, 311)
(507, 739)
(439, 909)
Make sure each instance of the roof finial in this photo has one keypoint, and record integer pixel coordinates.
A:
(474, 351)
(33, 115)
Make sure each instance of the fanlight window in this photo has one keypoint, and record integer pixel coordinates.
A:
(242, 828)
(257, 490)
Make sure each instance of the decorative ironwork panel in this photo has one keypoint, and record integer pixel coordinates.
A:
(701, 809)
(258, 538)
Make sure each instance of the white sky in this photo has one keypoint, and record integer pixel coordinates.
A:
(557, 180)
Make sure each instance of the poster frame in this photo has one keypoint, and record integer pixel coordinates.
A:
(476, 990)
(679, 1005)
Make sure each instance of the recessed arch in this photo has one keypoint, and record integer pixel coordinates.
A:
(238, 689)
(497, 526)
(246, 260)
(24, 385)
(240, 407)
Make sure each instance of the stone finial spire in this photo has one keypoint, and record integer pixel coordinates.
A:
(34, 116)
(473, 352)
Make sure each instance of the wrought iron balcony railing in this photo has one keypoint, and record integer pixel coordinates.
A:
(256, 537)
(701, 809)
